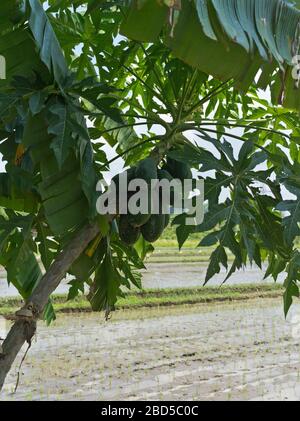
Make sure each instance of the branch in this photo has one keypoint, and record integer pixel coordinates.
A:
(25, 326)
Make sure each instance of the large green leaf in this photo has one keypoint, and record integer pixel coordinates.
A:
(152, 12)
(26, 61)
(245, 222)
(291, 209)
(12, 12)
(16, 192)
(60, 127)
(46, 41)
(64, 202)
(291, 281)
(18, 257)
(16, 253)
(226, 38)
(106, 286)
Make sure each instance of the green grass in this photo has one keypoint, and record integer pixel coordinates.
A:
(172, 242)
(178, 259)
(170, 234)
(165, 297)
(166, 251)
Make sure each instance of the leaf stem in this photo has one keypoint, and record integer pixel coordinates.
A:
(129, 150)
(133, 73)
(247, 127)
(212, 93)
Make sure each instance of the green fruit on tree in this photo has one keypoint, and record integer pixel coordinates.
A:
(138, 220)
(130, 176)
(167, 220)
(154, 228)
(147, 171)
(165, 175)
(128, 234)
(178, 169)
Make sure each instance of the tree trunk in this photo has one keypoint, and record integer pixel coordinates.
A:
(24, 328)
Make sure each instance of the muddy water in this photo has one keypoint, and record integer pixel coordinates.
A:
(231, 352)
(170, 275)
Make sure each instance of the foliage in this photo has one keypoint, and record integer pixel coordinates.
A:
(245, 33)
(69, 65)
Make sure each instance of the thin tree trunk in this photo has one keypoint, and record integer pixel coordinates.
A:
(23, 329)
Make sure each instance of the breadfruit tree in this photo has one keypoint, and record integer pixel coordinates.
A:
(142, 75)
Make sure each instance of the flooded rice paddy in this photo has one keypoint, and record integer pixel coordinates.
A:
(207, 352)
(215, 351)
(170, 275)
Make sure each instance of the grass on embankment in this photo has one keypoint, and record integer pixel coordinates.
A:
(165, 297)
(167, 251)
(172, 242)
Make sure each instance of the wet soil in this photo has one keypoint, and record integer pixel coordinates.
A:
(207, 352)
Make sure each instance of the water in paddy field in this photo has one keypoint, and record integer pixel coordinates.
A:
(211, 352)
(217, 351)
(171, 275)
(180, 275)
